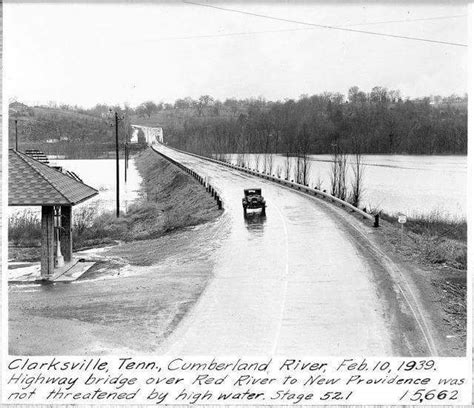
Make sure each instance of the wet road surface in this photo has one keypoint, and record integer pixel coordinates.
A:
(290, 282)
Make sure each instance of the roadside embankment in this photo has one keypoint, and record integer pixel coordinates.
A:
(171, 200)
(434, 249)
(436, 238)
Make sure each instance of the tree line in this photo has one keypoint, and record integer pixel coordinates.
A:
(377, 122)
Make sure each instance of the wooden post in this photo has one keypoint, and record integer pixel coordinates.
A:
(376, 220)
(47, 241)
(66, 232)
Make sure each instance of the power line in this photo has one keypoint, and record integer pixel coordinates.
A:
(243, 33)
(329, 27)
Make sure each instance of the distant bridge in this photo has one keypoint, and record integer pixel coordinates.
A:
(153, 135)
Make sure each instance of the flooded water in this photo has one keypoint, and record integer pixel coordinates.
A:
(99, 174)
(414, 185)
(393, 183)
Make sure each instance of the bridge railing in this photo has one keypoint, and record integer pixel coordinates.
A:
(296, 186)
(209, 188)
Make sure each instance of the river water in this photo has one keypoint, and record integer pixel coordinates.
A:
(393, 183)
(413, 185)
(99, 174)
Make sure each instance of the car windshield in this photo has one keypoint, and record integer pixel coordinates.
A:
(255, 191)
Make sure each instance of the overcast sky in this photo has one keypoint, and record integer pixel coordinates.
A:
(113, 53)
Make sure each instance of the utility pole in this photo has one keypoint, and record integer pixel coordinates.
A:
(126, 160)
(117, 163)
(16, 134)
(113, 114)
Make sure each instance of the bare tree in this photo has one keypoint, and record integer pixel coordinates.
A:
(339, 173)
(306, 168)
(304, 152)
(342, 170)
(240, 159)
(303, 164)
(358, 173)
(334, 172)
(318, 183)
(257, 161)
(287, 165)
(297, 171)
(270, 162)
(278, 171)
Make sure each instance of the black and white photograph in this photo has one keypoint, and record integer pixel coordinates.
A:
(209, 178)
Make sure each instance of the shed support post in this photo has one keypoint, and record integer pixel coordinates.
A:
(66, 232)
(47, 241)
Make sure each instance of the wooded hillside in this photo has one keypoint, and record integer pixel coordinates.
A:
(379, 121)
(376, 122)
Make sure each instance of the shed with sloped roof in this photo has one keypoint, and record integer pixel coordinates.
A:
(33, 183)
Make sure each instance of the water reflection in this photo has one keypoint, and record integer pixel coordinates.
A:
(255, 221)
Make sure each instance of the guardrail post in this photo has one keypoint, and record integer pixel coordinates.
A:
(376, 220)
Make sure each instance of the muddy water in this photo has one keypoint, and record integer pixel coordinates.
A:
(101, 175)
(396, 183)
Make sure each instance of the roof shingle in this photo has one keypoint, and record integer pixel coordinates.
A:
(31, 182)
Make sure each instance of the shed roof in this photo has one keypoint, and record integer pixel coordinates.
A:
(31, 182)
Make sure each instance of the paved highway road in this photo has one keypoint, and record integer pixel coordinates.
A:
(297, 281)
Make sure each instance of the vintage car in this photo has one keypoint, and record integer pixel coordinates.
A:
(253, 200)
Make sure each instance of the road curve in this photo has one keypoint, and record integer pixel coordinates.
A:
(293, 282)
